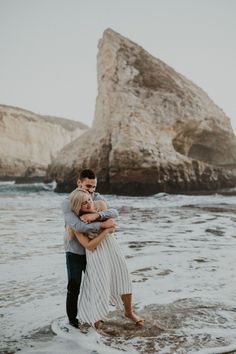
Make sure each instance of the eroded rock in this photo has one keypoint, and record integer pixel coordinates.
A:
(153, 131)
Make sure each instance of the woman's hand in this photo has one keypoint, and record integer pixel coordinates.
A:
(109, 230)
(108, 223)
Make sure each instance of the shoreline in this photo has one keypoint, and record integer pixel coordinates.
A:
(40, 179)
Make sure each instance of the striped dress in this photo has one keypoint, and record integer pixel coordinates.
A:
(106, 279)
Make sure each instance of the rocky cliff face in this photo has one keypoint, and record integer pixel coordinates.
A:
(29, 142)
(154, 130)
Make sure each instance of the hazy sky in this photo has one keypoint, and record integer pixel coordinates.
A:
(48, 48)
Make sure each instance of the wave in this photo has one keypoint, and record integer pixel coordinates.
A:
(228, 191)
(13, 187)
(6, 183)
(225, 191)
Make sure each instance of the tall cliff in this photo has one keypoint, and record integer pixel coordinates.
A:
(154, 130)
(29, 142)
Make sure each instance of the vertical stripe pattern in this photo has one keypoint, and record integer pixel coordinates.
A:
(106, 279)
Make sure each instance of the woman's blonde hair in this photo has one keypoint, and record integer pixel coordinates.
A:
(76, 199)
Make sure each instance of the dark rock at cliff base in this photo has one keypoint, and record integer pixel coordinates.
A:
(153, 131)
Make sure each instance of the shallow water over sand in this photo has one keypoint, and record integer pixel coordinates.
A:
(180, 252)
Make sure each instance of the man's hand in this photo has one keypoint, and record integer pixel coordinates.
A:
(108, 224)
(88, 218)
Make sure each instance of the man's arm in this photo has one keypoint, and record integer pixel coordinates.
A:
(107, 214)
(99, 197)
(99, 216)
(72, 220)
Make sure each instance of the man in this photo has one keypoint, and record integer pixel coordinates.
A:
(75, 252)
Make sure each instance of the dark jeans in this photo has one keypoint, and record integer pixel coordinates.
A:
(76, 264)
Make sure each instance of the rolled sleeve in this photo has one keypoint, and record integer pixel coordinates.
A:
(109, 213)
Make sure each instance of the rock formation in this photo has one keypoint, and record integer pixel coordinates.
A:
(28, 141)
(154, 130)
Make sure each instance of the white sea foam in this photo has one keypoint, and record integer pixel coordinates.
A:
(6, 183)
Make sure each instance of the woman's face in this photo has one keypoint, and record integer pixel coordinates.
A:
(87, 204)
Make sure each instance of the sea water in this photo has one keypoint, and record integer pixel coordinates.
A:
(180, 252)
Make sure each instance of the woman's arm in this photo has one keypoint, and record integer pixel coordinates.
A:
(92, 244)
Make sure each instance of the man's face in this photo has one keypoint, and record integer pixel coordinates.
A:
(87, 184)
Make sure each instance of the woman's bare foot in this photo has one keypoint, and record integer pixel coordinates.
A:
(99, 329)
(139, 321)
(98, 325)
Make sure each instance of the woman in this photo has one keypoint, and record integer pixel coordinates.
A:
(106, 278)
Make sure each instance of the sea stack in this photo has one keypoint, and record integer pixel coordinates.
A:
(153, 131)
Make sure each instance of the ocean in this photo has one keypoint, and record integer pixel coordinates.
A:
(180, 251)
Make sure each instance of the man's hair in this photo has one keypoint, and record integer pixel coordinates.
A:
(87, 174)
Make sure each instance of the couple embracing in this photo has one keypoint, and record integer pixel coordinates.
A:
(91, 248)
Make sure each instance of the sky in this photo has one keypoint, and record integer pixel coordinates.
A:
(48, 48)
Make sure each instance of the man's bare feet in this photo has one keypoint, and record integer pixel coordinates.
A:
(139, 321)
